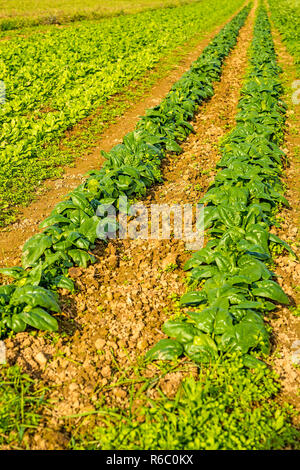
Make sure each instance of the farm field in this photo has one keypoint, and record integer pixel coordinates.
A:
(138, 341)
(55, 83)
(15, 13)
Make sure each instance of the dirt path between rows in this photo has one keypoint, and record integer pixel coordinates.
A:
(14, 236)
(285, 325)
(123, 299)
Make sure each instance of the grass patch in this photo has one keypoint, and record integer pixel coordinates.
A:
(20, 404)
(227, 407)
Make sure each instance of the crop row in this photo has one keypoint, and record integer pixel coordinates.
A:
(233, 269)
(130, 168)
(54, 80)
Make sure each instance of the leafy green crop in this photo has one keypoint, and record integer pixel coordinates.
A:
(239, 288)
(131, 167)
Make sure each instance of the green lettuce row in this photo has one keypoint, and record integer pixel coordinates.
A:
(238, 286)
(71, 230)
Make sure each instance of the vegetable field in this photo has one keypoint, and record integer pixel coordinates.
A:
(57, 78)
(17, 14)
(119, 342)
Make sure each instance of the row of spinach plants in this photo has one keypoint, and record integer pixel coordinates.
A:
(233, 269)
(71, 230)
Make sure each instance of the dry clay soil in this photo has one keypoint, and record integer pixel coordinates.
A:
(123, 300)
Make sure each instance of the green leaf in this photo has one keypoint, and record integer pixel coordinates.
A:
(79, 200)
(165, 350)
(172, 146)
(249, 333)
(82, 243)
(81, 258)
(204, 320)
(248, 304)
(258, 236)
(77, 217)
(229, 216)
(15, 323)
(62, 206)
(270, 290)
(89, 229)
(224, 263)
(252, 362)
(39, 319)
(15, 272)
(223, 321)
(34, 248)
(7, 290)
(64, 282)
(35, 297)
(55, 219)
(180, 330)
(203, 272)
(212, 320)
(35, 275)
(193, 298)
(203, 348)
(253, 269)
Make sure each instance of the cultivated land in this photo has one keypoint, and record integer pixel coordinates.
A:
(15, 14)
(143, 344)
(56, 82)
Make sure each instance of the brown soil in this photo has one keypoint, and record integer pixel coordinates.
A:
(123, 299)
(286, 326)
(14, 236)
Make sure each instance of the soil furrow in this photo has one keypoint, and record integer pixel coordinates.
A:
(125, 297)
